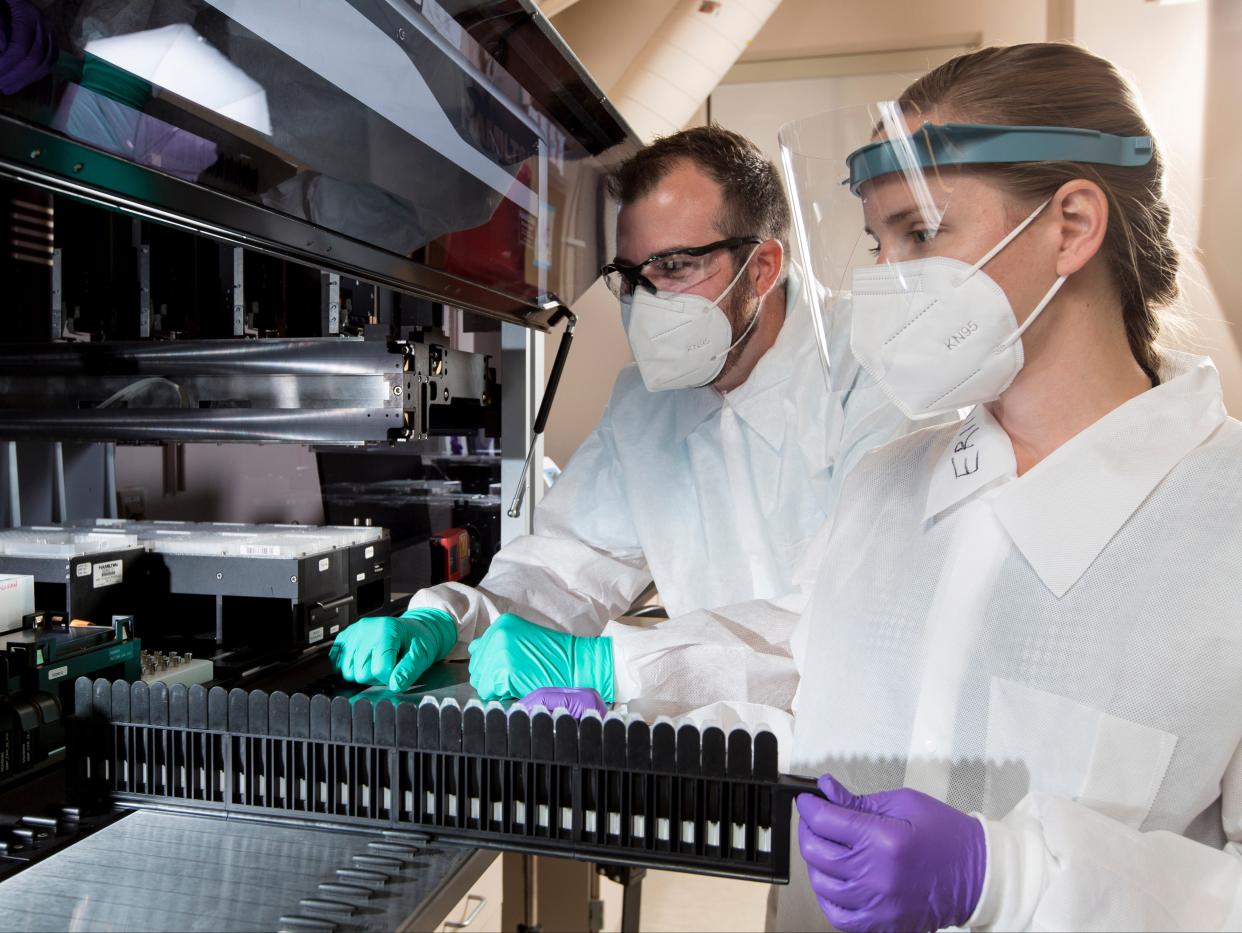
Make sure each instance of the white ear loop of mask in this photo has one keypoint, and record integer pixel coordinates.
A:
(1048, 296)
(754, 317)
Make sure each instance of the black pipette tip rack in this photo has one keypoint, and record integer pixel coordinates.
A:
(613, 790)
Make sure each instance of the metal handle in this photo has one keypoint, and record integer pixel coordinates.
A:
(545, 407)
(515, 507)
(333, 604)
(471, 917)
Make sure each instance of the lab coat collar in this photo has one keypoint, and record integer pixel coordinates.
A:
(693, 407)
(978, 455)
(1063, 512)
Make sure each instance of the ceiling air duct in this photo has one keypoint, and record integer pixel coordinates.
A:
(684, 61)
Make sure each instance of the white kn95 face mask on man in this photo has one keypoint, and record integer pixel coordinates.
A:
(680, 340)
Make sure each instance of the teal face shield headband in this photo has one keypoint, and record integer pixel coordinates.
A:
(981, 144)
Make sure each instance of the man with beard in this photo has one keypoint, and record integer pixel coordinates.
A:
(717, 458)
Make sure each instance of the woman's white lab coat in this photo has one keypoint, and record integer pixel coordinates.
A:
(1060, 652)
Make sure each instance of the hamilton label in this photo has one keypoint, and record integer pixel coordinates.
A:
(108, 572)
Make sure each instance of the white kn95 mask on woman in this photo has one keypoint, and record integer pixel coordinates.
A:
(937, 334)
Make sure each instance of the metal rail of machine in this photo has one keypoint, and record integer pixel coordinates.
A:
(329, 390)
(612, 789)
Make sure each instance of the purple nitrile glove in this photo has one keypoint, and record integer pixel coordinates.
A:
(577, 700)
(27, 51)
(898, 860)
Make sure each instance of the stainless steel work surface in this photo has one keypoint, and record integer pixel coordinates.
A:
(163, 871)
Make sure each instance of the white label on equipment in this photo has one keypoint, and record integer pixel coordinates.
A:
(108, 573)
(324, 563)
(260, 550)
(362, 576)
(84, 569)
(663, 829)
(314, 635)
(368, 553)
(56, 672)
(687, 831)
(334, 629)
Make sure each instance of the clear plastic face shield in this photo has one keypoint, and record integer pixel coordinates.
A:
(886, 220)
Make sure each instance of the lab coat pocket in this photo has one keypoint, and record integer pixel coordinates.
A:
(1072, 750)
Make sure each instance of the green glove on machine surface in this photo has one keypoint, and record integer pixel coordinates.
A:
(515, 656)
(393, 652)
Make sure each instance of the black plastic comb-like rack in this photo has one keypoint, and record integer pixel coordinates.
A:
(612, 789)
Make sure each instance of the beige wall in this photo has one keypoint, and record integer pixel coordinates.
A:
(606, 36)
(1220, 236)
(826, 27)
(748, 108)
(1163, 48)
(599, 352)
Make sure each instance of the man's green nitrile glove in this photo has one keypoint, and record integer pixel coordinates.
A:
(393, 652)
(515, 656)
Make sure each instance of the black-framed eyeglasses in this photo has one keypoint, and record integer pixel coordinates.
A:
(672, 270)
